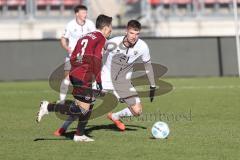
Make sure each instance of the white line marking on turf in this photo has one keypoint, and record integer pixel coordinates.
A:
(24, 92)
(174, 88)
(208, 87)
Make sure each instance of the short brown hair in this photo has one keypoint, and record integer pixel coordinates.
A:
(136, 25)
(102, 21)
(80, 7)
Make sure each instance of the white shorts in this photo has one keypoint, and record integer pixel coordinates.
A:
(67, 64)
(126, 93)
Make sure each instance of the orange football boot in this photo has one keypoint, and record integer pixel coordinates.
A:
(118, 123)
(59, 132)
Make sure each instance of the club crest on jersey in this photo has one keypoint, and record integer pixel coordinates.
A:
(87, 97)
(135, 53)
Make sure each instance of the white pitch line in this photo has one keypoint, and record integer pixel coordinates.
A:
(138, 88)
(209, 87)
(24, 92)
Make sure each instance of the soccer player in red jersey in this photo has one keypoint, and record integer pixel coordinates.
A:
(86, 61)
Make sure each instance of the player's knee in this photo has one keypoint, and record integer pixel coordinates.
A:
(136, 110)
(66, 81)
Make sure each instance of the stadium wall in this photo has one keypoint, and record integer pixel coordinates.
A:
(184, 57)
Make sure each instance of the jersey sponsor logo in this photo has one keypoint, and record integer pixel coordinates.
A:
(111, 46)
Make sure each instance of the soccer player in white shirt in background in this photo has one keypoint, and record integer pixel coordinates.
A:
(122, 53)
(74, 30)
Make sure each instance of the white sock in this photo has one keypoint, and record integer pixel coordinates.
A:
(64, 89)
(123, 113)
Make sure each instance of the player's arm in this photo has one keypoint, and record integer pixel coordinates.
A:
(65, 39)
(97, 62)
(150, 75)
(64, 44)
(75, 53)
(149, 71)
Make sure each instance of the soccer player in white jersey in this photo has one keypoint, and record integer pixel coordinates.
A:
(74, 30)
(122, 53)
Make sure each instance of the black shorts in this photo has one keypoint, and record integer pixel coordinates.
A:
(82, 91)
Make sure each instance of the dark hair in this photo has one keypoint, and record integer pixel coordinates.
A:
(80, 7)
(134, 24)
(102, 21)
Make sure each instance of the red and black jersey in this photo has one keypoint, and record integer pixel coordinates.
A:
(86, 59)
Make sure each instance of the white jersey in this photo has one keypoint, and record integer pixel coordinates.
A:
(74, 31)
(120, 60)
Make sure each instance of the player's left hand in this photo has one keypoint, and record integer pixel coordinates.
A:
(152, 93)
(99, 86)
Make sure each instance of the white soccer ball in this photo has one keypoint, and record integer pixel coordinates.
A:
(160, 130)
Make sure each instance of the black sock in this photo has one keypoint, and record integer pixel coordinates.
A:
(66, 109)
(51, 107)
(83, 120)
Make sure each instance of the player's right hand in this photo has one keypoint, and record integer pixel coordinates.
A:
(152, 93)
(69, 50)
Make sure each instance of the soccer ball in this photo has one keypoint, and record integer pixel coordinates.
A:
(160, 130)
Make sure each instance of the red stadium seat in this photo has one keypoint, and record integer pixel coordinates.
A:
(182, 2)
(225, 1)
(71, 2)
(211, 2)
(168, 2)
(48, 2)
(42, 2)
(154, 2)
(131, 1)
(54, 2)
(2, 2)
(16, 2)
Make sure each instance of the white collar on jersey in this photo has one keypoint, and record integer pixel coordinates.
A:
(131, 46)
(84, 22)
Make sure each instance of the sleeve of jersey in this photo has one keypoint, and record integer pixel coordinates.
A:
(97, 60)
(73, 57)
(146, 55)
(150, 73)
(66, 33)
(148, 66)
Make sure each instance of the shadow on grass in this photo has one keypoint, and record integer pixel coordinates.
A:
(158, 139)
(90, 128)
(51, 139)
(112, 127)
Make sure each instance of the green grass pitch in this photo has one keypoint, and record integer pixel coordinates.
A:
(203, 115)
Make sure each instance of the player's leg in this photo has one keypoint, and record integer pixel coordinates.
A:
(66, 109)
(61, 130)
(82, 92)
(126, 93)
(83, 120)
(134, 109)
(65, 82)
(62, 96)
(131, 110)
(85, 107)
(79, 109)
